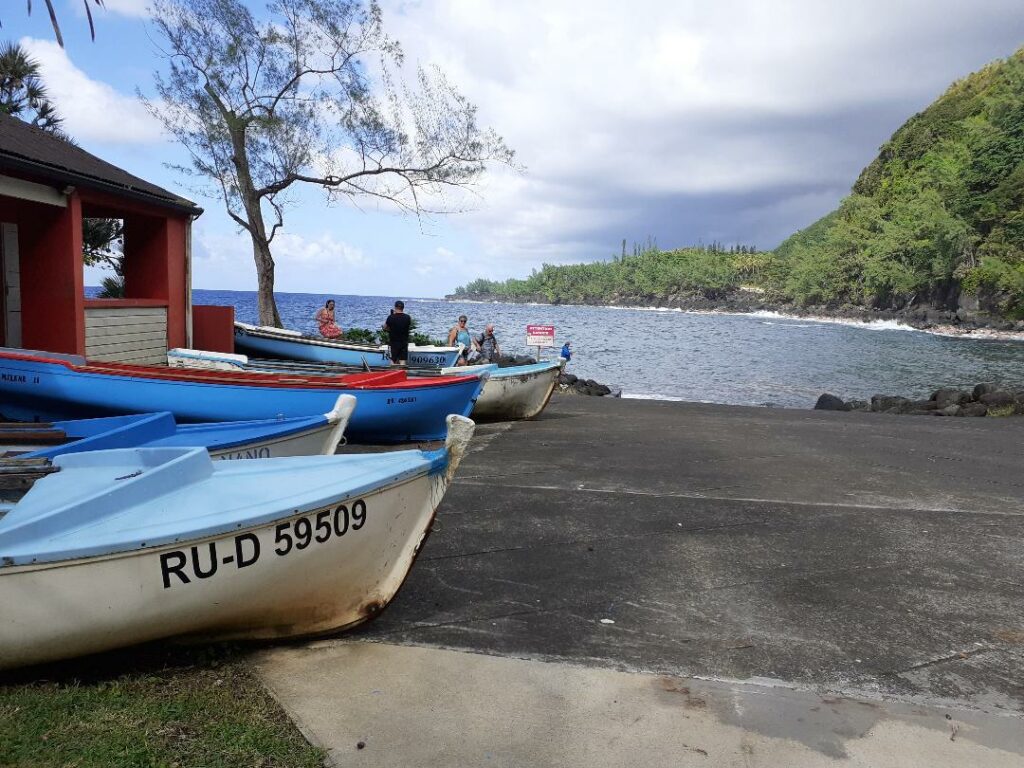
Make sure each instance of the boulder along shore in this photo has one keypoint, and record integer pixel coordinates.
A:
(983, 400)
(568, 383)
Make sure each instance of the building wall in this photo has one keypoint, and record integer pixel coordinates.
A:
(213, 328)
(126, 332)
(53, 307)
(52, 292)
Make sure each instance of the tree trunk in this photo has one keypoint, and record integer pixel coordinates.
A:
(257, 228)
(265, 301)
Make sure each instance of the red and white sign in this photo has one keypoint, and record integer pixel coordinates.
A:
(540, 335)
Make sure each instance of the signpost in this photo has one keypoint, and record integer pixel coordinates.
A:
(540, 336)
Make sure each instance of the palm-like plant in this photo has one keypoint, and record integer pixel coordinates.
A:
(56, 25)
(22, 93)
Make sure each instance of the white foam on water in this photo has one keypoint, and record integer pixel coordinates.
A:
(668, 398)
(867, 325)
(947, 331)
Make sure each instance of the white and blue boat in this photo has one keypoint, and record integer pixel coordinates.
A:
(258, 439)
(112, 548)
(391, 407)
(514, 392)
(263, 341)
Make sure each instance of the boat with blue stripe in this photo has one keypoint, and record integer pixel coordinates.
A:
(105, 549)
(509, 393)
(264, 341)
(257, 439)
(391, 408)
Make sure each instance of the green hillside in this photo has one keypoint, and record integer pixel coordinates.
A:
(936, 220)
(939, 211)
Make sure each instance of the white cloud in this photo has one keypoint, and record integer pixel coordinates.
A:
(93, 111)
(302, 263)
(613, 108)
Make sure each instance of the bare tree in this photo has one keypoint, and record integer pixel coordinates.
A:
(309, 95)
(53, 17)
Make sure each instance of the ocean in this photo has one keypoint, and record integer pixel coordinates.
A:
(718, 358)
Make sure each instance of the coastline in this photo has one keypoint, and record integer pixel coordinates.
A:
(865, 319)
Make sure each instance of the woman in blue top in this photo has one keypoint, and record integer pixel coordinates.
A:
(459, 334)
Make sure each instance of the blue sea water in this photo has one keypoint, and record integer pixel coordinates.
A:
(740, 359)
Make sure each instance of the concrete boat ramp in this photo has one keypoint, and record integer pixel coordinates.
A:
(673, 584)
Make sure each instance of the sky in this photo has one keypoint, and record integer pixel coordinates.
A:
(738, 121)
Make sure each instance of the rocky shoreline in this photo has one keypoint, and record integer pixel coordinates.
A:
(983, 400)
(570, 384)
(969, 318)
(567, 383)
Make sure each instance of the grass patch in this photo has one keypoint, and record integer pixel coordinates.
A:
(157, 706)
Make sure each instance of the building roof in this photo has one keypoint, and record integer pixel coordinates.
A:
(30, 149)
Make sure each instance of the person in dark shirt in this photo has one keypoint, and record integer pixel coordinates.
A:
(397, 325)
(487, 344)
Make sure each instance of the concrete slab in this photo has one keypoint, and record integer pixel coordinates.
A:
(856, 557)
(849, 551)
(373, 704)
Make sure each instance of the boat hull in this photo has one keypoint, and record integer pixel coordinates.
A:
(317, 569)
(34, 388)
(250, 591)
(266, 343)
(509, 396)
(319, 441)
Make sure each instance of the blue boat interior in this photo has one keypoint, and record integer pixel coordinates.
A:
(107, 502)
(159, 430)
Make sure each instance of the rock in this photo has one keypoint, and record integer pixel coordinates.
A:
(998, 399)
(974, 409)
(567, 378)
(883, 403)
(828, 402)
(858, 405)
(919, 405)
(983, 389)
(949, 410)
(509, 361)
(950, 396)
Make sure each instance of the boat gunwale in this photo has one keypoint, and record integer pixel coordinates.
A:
(437, 464)
(393, 379)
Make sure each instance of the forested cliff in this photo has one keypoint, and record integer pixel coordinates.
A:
(934, 223)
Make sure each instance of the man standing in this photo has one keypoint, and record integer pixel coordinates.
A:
(487, 343)
(566, 351)
(397, 325)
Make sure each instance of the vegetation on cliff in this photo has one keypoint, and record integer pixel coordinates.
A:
(940, 210)
(938, 215)
(647, 272)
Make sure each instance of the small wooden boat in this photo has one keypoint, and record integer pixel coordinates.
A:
(514, 392)
(391, 407)
(112, 548)
(258, 439)
(264, 341)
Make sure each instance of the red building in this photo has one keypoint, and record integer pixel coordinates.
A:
(47, 186)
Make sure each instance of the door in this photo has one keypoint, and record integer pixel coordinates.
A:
(11, 284)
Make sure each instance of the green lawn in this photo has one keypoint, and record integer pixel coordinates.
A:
(157, 706)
